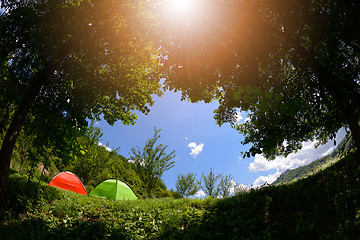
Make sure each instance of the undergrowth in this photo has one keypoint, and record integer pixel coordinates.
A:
(322, 206)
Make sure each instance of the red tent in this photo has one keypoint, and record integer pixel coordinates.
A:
(68, 181)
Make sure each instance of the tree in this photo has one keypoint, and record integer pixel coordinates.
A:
(91, 160)
(94, 163)
(152, 161)
(186, 185)
(293, 65)
(224, 186)
(209, 183)
(240, 189)
(69, 61)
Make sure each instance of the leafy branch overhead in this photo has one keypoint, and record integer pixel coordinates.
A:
(292, 65)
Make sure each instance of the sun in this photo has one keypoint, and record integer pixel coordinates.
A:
(181, 7)
(181, 16)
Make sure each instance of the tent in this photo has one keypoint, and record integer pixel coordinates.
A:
(113, 189)
(68, 181)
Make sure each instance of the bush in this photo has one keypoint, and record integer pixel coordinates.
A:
(25, 193)
(323, 206)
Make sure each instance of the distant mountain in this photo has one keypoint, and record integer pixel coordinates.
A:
(344, 146)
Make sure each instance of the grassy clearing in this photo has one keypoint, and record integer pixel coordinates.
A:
(322, 206)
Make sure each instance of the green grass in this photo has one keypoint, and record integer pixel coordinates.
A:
(322, 206)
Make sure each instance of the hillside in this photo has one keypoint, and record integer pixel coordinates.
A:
(301, 172)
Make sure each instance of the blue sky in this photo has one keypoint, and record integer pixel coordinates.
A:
(200, 144)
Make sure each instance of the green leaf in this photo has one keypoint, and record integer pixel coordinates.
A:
(269, 95)
(241, 90)
(249, 89)
(283, 108)
(277, 97)
(292, 111)
(274, 105)
(258, 92)
(246, 98)
(263, 103)
(237, 96)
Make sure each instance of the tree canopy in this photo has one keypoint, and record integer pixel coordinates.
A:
(292, 65)
(64, 62)
(209, 183)
(186, 184)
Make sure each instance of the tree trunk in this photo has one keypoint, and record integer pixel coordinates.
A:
(12, 134)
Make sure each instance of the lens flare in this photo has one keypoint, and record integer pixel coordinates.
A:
(182, 8)
(181, 5)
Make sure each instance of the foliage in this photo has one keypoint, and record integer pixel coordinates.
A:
(26, 193)
(63, 62)
(241, 189)
(94, 52)
(322, 206)
(224, 186)
(37, 161)
(94, 163)
(91, 162)
(152, 161)
(209, 183)
(186, 185)
(294, 64)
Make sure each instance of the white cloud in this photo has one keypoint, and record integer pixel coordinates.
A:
(266, 179)
(200, 194)
(238, 117)
(306, 155)
(281, 164)
(195, 148)
(104, 146)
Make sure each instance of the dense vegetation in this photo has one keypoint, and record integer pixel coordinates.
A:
(91, 162)
(322, 206)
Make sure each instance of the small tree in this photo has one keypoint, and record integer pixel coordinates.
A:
(208, 183)
(224, 186)
(152, 161)
(186, 185)
(240, 189)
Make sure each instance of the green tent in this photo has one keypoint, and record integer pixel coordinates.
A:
(113, 189)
